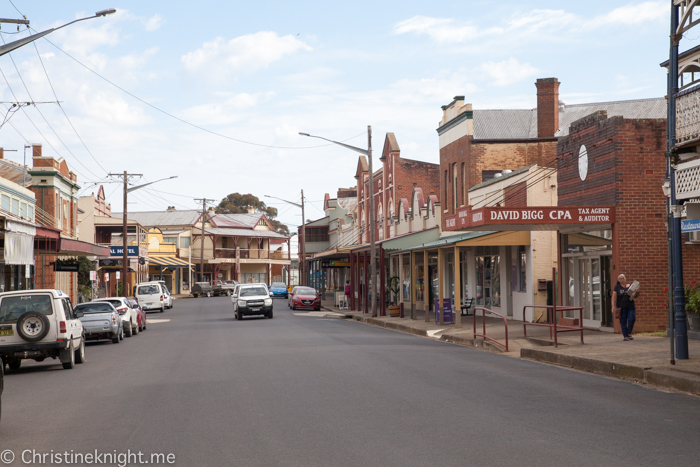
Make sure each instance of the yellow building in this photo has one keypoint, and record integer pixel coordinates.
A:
(163, 263)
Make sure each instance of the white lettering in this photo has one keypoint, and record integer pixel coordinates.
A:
(478, 216)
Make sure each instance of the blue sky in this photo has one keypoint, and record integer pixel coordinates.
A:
(263, 71)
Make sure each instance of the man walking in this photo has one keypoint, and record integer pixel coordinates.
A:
(624, 308)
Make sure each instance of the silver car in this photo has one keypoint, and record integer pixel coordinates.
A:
(100, 321)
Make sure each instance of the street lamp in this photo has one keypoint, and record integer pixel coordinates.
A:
(125, 242)
(373, 247)
(7, 48)
(302, 260)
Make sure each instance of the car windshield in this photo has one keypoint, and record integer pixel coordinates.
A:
(148, 290)
(251, 291)
(305, 291)
(116, 303)
(94, 307)
(278, 285)
(11, 308)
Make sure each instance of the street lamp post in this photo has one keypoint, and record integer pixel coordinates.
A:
(371, 224)
(302, 259)
(7, 48)
(125, 241)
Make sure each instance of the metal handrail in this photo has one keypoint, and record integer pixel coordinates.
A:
(485, 310)
(554, 328)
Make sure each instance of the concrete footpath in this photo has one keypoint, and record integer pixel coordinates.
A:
(644, 360)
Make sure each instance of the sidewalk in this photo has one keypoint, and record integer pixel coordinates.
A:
(644, 360)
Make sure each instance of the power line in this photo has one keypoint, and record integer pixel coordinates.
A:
(183, 120)
(15, 7)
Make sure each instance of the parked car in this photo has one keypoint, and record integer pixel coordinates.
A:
(100, 320)
(251, 299)
(39, 324)
(2, 383)
(279, 289)
(140, 314)
(224, 287)
(291, 292)
(203, 289)
(167, 296)
(150, 296)
(127, 314)
(305, 297)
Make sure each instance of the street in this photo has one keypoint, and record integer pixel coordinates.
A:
(308, 391)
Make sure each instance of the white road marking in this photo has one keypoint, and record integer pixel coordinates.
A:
(321, 314)
(434, 333)
(156, 320)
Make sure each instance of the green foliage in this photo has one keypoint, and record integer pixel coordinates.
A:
(84, 268)
(236, 203)
(692, 297)
(394, 287)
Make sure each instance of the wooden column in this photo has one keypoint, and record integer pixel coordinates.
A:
(382, 283)
(365, 288)
(351, 298)
(426, 292)
(440, 308)
(413, 275)
(457, 308)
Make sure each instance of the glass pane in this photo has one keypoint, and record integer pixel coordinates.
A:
(595, 283)
(496, 275)
(585, 284)
(570, 300)
(487, 281)
(479, 280)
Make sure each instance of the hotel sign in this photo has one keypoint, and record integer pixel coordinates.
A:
(467, 218)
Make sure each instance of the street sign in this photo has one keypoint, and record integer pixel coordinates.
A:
(118, 275)
(690, 225)
(93, 275)
(106, 277)
(119, 251)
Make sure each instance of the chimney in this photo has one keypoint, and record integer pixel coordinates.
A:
(36, 150)
(171, 208)
(2, 153)
(547, 107)
(251, 210)
(212, 210)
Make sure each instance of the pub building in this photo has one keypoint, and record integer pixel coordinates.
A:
(608, 219)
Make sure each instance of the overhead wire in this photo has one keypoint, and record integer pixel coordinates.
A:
(193, 125)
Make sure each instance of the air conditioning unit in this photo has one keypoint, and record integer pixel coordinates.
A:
(692, 237)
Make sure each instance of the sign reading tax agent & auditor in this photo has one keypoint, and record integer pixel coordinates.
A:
(532, 217)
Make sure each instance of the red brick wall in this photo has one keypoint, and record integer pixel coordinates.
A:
(547, 107)
(515, 195)
(626, 164)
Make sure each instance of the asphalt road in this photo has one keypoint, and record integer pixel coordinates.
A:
(303, 391)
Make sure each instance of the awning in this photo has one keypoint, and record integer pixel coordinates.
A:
(499, 239)
(412, 239)
(447, 241)
(169, 262)
(71, 247)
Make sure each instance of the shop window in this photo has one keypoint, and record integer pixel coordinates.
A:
(169, 239)
(522, 268)
(5, 203)
(23, 210)
(15, 207)
(30, 212)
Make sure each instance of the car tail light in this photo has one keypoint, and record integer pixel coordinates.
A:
(122, 310)
(62, 327)
(161, 298)
(114, 319)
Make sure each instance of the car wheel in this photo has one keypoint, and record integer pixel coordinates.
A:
(136, 329)
(317, 309)
(162, 309)
(128, 331)
(195, 295)
(33, 326)
(71, 362)
(80, 353)
(269, 315)
(117, 338)
(14, 363)
(239, 316)
(145, 321)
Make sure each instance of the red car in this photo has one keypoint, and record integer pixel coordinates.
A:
(140, 314)
(305, 297)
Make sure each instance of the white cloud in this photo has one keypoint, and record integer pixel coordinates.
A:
(136, 60)
(634, 14)
(508, 71)
(247, 53)
(154, 22)
(442, 30)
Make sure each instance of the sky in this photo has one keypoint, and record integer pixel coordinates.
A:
(216, 92)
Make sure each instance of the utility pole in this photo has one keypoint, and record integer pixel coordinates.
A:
(302, 260)
(371, 223)
(201, 238)
(125, 234)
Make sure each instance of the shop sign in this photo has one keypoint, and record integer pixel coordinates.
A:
(66, 265)
(690, 225)
(119, 250)
(335, 264)
(466, 218)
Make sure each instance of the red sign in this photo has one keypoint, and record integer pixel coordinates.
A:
(466, 218)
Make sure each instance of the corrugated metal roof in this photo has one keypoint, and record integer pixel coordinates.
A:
(451, 240)
(160, 218)
(13, 171)
(228, 232)
(235, 220)
(500, 179)
(522, 123)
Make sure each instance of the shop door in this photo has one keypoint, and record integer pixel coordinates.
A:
(591, 294)
(606, 292)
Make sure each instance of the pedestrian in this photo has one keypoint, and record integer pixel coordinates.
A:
(347, 289)
(624, 307)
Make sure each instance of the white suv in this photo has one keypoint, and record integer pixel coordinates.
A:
(39, 324)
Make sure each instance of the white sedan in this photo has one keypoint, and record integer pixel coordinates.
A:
(127, 313)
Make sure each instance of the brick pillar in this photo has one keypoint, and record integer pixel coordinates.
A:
(547, 107)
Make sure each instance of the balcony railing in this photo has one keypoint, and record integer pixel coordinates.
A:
(688, 115)
(251, 254)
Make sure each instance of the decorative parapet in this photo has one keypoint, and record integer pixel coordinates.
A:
(688, 116)
(688, 180)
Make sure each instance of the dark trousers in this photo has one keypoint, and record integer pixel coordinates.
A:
(627, 318)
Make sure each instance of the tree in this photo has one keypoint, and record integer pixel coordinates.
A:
(84, 268)
(236, 203)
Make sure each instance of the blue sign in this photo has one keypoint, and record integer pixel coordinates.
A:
(119, 251)
(446, 309)
(690, 225)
